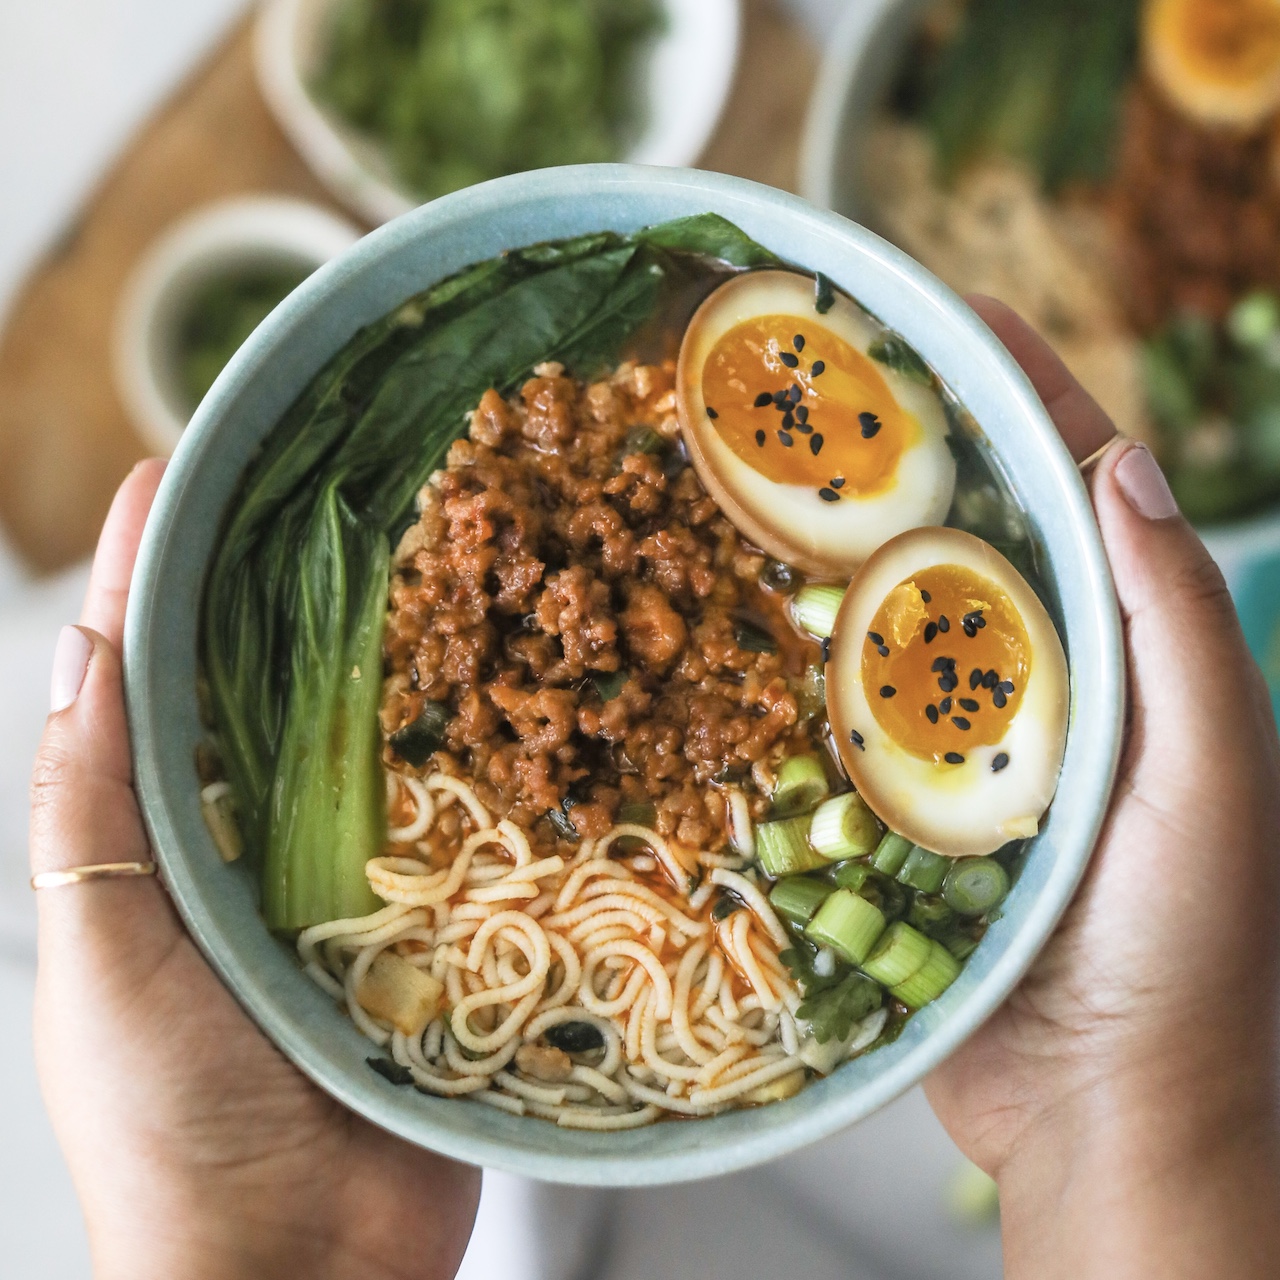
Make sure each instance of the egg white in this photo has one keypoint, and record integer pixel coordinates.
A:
(957, 810)
(791, 521)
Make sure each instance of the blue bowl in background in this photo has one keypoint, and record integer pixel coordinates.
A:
(376, 275)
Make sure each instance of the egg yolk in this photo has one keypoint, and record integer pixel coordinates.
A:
(945, 662)
(801, 406)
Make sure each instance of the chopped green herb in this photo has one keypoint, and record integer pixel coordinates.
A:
(418, 741)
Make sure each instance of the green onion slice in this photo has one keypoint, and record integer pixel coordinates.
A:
(843, 827)
(802, 783)
(782, 848)
(814, 609)
(848, 924)
(937, 973)
(799, 897)
(900, 954)
(975, 886)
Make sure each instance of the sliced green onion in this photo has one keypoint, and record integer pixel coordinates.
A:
(753, 638)
(900, 954)
(891, 853)
(418, 741)
(929, 914)
(924, 870)
(640, 814)
(975, 885)
(814, 609)
(782, 848)
(848, 924)
(852, 875)
(937, 973)
(799, 897)
(802, 783)
(843, 827)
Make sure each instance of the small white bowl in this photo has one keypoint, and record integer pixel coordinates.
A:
(688, 75)
(228, 236)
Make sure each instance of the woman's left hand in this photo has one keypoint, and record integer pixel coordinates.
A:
(196, 1149)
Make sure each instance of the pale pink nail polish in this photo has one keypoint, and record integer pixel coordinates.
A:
(1143, 484)
(70, 662)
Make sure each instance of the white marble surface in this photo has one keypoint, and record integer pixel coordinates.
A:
(76, 77)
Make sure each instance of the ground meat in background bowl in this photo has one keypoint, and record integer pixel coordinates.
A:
(579, 607)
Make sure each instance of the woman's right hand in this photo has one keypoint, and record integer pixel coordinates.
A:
(1125, 1097)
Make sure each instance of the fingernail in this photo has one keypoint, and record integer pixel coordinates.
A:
(1143, 484)
(70, 662)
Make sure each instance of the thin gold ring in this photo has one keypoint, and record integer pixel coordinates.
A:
(97, 871)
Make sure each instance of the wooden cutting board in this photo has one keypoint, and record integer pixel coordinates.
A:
(65, 439)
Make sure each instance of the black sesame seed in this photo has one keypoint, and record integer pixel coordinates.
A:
(998, 700)
(815, 443)
(870, 425)
(999, 762)
(780, 397)
(760, 438)
(763, 399)
(788, 359)
(826, 649)
(953, 757)
(939, 664)
(1005, 686)
(787, 441)
(802, 413)
(887, 691)
(944, 624)
(969, 629)
(925, 596)
(975, 678)
(945, 706)
(883, 650)
(856, 738)
(819, 368)
(948, 682)
(838, 482)
(930, 631)
(794, 394)
(876, 638)
(711, 413)
(798, 342)
(788, 421)
(990, 680)
(932, 712)
(960, 722)
(804, 428)
(828, 495)
(969, 704)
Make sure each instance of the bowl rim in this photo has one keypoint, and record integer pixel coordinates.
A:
(711, 1151)
(350, 165)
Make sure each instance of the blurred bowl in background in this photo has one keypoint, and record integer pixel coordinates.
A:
(858, 68)
(252, 239)
(688, 73)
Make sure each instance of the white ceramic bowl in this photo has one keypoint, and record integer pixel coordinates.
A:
(688, 75)
(229, 236)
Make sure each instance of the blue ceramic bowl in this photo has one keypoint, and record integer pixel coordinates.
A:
(404, 257)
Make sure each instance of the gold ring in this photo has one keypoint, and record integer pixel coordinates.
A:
(98, 871)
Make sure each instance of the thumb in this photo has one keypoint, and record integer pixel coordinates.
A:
(1198, 697)
(83, 814)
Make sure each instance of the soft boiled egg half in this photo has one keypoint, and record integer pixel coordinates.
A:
(947, 693)
(816, 451)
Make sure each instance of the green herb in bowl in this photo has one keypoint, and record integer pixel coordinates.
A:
(220, 314)
(459, 91)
